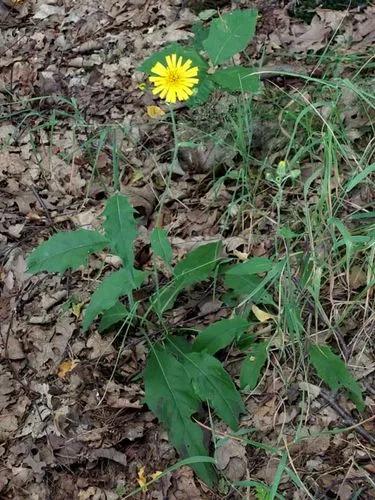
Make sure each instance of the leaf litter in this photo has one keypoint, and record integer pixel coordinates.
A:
(61, 403)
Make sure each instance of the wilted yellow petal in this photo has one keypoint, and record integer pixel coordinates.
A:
(241, 255)
(156, 474)
(260, 315)
(142, 481)
(77, 308)
(66, 367)
(137, 176)
(155, 111)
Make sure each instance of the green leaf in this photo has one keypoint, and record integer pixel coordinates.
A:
(202, 92)
(120, 227)
(220, 335)
(173, 48)
(230, 34)
(114, 286)
(243, 279)
(65, 250)
(160, 245)
(287, 233)
(248, 285)
(360, 177)
(333, 371)
(112, 316)
(292, 314)
(200, 34)
(252, 366)
(237, 79)
(197, 264)
(165, 297)
(169, 395)
(254, 265)
(213, 384)
(178, 346)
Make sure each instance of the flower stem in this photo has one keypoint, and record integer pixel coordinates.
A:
(171, 168)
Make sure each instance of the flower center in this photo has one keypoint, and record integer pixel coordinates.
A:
(173, 77)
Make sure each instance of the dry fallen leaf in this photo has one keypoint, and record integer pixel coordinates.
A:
(260, 315)
(231, 459)
(66, 367)
(357, 277)
(185, 486)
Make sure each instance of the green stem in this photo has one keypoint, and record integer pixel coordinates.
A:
(171, 168)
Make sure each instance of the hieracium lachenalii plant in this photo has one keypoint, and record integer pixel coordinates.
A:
(191, 72)
(183, 372)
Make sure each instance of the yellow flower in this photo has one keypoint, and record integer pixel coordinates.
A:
(175, 80)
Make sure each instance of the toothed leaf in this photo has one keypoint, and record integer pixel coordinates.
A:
(65, 250)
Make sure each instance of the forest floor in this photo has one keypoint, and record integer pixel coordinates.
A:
(72, 426)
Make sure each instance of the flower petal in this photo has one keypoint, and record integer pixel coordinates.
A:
(182, 95)
(171, 95)
(191, 72)
(168, 60)
(157, 79)
(190, 82)
(159, 69)
(187, 65)
(157, 90)
(163, 93)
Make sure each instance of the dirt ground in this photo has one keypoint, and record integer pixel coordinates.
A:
(73, 423)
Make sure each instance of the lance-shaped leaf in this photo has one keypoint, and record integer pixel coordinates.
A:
(114, 286)
(120, 227)
(243, 278)
(170, 396)
(160, 245)
(213, 384)
(195, 267)
(198, 264)
(65, 250)
(219, 335)
(112, 316)
(335, 374)
(252, 365)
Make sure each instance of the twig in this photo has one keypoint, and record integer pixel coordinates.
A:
(347, 418)
(42, 204)
(5, 340)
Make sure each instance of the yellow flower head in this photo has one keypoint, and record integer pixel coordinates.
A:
(175, 80)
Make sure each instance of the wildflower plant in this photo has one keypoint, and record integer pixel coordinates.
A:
(190, 73)
(183, 372)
